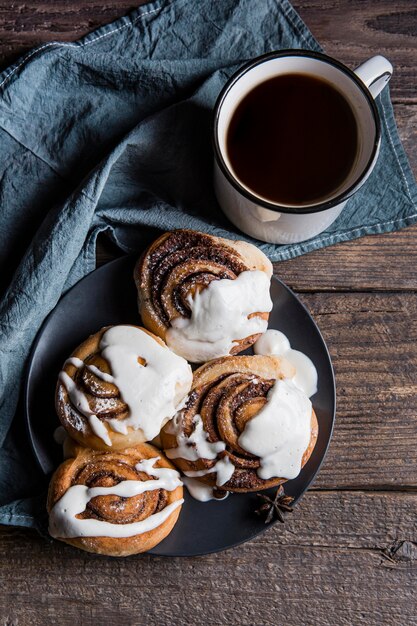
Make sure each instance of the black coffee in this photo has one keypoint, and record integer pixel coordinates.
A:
(293, 139)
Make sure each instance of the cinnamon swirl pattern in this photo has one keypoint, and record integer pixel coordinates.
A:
(114, 503)
(204, 295)
(245, 426)
(120, 387)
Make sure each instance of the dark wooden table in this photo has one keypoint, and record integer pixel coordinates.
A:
(348, 555)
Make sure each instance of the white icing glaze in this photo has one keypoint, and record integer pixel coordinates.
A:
(73, 360)
(183, 403)
(219, 317)
(224, 469)
(99, 429)
(305, 372)
(200, 491)
(64, 523)
(78, 399)
(62, 438)
(118, 426)
(108, 378)
(151, 391)
(280, 433)
(196, 446)
(274, 342)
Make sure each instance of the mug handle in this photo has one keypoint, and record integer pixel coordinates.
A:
(375, 73)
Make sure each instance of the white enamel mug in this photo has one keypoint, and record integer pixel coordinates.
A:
(275, 223)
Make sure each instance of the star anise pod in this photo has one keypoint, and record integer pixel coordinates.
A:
(274, 507)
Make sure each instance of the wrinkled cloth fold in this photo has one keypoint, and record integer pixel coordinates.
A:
(112, 134)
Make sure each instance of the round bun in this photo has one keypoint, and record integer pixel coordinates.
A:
(85, 369)
(226, 394)
(183, 262)
(107, 469)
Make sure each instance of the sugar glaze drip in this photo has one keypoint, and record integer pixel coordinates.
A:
(274, 342)
(280, 432)
(223, 468)
(200, 491)
(219, 316)
(63, 522)
(80, 401)
(121, 346)
(196, 446)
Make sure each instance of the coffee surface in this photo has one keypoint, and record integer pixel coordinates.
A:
(293, 140)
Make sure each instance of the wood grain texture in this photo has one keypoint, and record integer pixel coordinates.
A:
(341, 559)
(25, 25)
(348, 554)
(372, 339)
(373, 263)
(354, 30)
(351, 30)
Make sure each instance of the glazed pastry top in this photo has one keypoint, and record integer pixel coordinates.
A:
(64, 520)
(125, 379)
(245, 426)
(205, 295)
(221, 315)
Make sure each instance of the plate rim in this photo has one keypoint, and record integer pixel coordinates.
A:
(28, 423)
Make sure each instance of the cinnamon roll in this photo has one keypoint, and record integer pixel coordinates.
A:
(119, 387)
(245, 426)
(205, 296)
(114, 503)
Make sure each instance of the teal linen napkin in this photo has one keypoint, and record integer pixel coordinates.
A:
(112, 134)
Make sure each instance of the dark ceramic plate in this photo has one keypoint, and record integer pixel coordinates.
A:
(108, 296)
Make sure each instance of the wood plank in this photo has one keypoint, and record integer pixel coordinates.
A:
(373, 263)
(351, 30)
(373, 343)
(406, 117)
(30, 24)
(344, 559)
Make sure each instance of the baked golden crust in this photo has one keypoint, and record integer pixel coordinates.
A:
(103, 398)
(227, 393)
(181, 262)
(97, 469)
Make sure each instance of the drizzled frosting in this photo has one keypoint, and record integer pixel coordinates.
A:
(274, 439)
(62, 438)
(202, 492)
(219, 317)
(151, 387)
(63, 522)
(224, 471)
(195, 446)
(80, 401)
(280, 432)
(274, 342)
